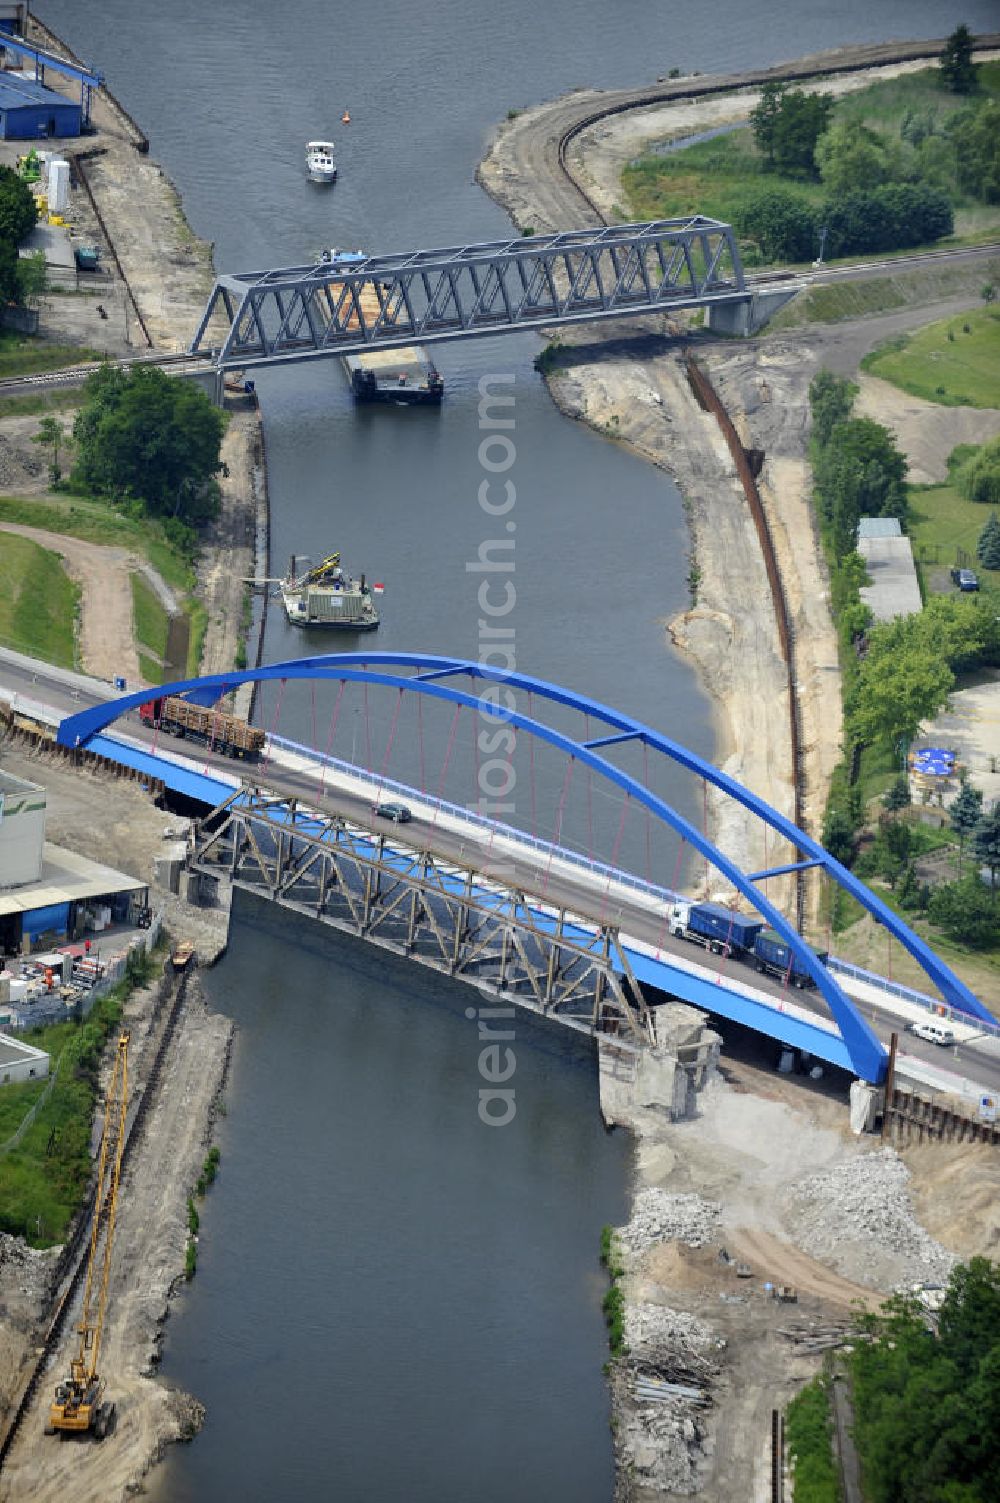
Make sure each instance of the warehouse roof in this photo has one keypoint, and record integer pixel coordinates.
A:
(18, 93)
(66, 878)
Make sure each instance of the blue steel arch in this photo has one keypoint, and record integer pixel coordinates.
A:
(429, 677)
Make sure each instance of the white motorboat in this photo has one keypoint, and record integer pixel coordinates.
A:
(320, 164)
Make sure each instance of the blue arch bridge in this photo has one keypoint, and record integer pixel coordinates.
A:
(536, 920)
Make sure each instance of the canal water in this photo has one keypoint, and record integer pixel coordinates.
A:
(395, 1301)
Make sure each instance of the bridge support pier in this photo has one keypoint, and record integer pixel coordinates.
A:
(749, 315)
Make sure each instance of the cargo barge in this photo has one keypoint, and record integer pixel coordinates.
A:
(407, 376)
(404, 376)
(325, 596)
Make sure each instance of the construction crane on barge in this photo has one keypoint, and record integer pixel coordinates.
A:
(79, 1406)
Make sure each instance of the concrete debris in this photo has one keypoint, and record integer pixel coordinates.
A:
(665, 1445)
(867, 1201)
(655, 1333)
(659, 1217)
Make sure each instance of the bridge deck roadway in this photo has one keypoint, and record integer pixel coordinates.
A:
(557, 881)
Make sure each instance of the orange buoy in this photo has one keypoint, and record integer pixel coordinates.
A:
(345, 118)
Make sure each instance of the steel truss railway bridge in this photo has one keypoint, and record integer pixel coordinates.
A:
(570, 937)
(349, 304)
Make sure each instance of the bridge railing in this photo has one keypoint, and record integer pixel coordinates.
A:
(933, 1005)
(471, 816)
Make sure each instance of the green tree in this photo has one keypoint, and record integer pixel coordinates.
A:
(859, 472)
(986, 842)
(958, 72)
(978, 477)
(18, 210)
(975, 135)
(146, 435)
(988, 547)
(850, 155)
(894, 694)
(9, 285)
(51, 435)
(830, 401)
(780, 222)
(965, 813)
(838, 836)
(897, 795)
(886, 218)
(802, 119)
(764, 118)
(988, 293)
(966, 912)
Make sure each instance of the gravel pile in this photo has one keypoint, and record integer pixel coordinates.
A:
(655, 1333)
(864, 1205)
(659, 1217)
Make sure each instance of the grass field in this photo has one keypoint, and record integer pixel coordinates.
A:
(944, 527)
(955, 362)
(39, 404)
(25, 355)
(714, 177)
(38, 602)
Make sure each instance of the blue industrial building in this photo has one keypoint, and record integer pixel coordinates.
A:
(31, 112)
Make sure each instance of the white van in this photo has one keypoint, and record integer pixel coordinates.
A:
(934, 1033)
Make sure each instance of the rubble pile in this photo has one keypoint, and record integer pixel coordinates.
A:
(659, 1217)
(656, 1334)
(867, 1201)
(665, 1447)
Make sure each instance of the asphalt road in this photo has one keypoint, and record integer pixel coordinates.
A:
(976, 1060)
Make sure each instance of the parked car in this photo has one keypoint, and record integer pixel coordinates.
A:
(398, 813)
(966, 579)
(934, 1033)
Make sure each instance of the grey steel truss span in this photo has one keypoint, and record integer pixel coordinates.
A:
(352, 303)
(445, 916)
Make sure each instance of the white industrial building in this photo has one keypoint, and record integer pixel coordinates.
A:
(20, 1062)
(50, 896)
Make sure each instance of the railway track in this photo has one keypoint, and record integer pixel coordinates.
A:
(74, 1260)
(75, 375)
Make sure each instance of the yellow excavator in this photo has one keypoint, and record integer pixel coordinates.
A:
(325, 570)
(79, 1406)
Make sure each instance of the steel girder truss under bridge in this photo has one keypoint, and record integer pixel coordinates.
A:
(427, 909)
(433, 678)
(351, 303)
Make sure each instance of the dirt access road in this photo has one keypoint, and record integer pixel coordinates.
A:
(106, 631)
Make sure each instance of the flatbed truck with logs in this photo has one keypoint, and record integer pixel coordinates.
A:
(213, 728)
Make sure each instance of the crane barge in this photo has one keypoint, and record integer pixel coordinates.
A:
(79, 1406)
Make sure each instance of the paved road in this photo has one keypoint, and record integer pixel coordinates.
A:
(977, 1059)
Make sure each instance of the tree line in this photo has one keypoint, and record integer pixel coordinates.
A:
(885, 190)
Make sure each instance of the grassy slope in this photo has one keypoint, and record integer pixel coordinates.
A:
(38, 602)
(99, 522)
(713, 176)
(152, 625)
(955, 361)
